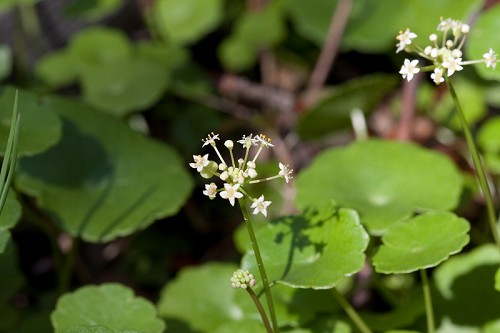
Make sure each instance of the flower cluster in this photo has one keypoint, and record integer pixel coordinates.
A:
(238, 173)
(242, 279)
(444, 51)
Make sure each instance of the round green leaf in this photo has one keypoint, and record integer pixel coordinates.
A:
(185, 21)
(465, 297)
(57, 69)
(422, 242)
(89, 329)
(333, 111)
(385, 182)
(315, 250)
(201, 299)
(484, 36)
(489, 141)
(98, 45)
(111, 305)
(103, 180)
(40, 128)
(124, 85)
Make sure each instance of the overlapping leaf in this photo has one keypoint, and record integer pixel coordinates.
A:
(315, 250)
(110, 305)
(103, 180)
(422, 242)
(385, 182)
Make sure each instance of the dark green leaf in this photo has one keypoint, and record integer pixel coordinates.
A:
(10, 275)
(103, 180)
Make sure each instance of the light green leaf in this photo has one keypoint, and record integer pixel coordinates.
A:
(422, 242)
(465, 297)
(88, 329)
(103, 180)
(57, 69)
(482, 37)
(332, 112)
(40, 127)
(385, 182)
(124, 85)
(5, 61)
(111, 305)
(185, 21)
(315, 250)
(217, 304)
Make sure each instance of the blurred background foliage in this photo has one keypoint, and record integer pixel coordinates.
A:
(116, 96)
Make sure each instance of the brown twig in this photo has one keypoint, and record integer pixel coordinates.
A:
(331, 46)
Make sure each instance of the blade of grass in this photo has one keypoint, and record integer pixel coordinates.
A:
(10, 158)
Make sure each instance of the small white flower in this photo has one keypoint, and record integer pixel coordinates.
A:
(242, 279)
(433, 37)
(210, 140)
(260, 206)
(449, 43)
(229, 144)
(199, 162)
(445, 25)
(252, 173)
(285, 172)
(248, 141)
(210, 190)
(456, 53)
(490, 59)
(409, 69)
(434, 52)
(264, 141)
(452, 64)
(437, 76)
(231, 193)
(465, 28)
(404, 39)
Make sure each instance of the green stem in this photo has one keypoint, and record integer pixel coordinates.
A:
(480, 173)
(259, 306)
(428, 301)
(351, 312)
(66, 271)
(260, 264)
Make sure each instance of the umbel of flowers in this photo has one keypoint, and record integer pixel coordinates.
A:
(444, 51)
(238, 173)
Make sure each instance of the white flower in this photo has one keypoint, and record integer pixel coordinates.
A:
(231, 193)
(437, 76)
(210, 190)
(490, 59)
(404, 39)
(242, 279)
(248, 141)
(210, 140)
(285, 172)
(452, 64)
(409, 69)
(433, 37)
(260, 206)
(229, 144)
(199, 162)
(264, 141)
